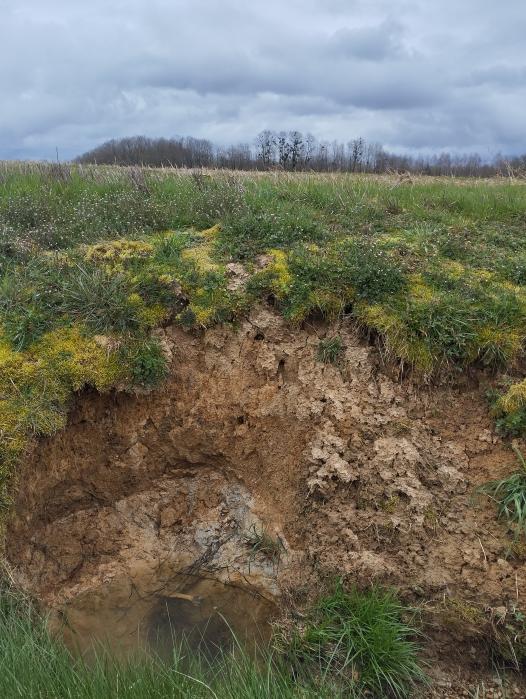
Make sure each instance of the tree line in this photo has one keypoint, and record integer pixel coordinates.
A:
(294, 151)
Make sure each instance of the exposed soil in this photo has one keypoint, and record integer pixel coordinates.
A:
(350, 471)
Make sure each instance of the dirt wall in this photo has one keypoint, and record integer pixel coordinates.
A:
(351, 471)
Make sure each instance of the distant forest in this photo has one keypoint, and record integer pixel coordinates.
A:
(293, 150)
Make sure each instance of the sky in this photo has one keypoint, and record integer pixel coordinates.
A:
(417, 76)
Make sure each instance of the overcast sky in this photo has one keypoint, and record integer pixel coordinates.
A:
(414, 75)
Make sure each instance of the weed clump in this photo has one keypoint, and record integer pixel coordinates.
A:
(330, 350)
(262, 544)
(99, 299)
(363, 640)
(146, 361)
(510, 495)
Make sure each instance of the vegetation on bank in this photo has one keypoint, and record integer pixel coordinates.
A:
(353, 645)
(362, 639)
(509, 494)
(93, 260)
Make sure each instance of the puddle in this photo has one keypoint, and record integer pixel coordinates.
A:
(187, 554)
(206, 614)
(210, 617)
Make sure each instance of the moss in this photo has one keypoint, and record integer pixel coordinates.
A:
(509, 411)
(280, 273)
(118, 251)
(211, 304)
(464, 616)
(153, 316)
(390, 504)
(36, 384)
(483, 275)
(517, 548)
(453, 269)
(514, 399)
(419, 290)
(398, 338)
(77, 359)
(201, 257)
(211, 233)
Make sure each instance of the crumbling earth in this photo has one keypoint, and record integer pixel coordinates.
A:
(160, 500)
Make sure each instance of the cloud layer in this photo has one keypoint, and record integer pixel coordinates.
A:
(413, 75)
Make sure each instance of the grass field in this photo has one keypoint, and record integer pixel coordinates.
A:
(91, 260)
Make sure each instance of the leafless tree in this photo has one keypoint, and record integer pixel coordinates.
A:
(265, 148)
(293, 151)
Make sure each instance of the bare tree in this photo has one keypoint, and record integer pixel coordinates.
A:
(357, 152)
(293, 151)
(283, 149)
(296, 148)
(265, 147)
(310, 148)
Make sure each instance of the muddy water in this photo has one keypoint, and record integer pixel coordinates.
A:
(204, 613)
(209, 618)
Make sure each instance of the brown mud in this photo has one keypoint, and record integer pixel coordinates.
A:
(145, 512)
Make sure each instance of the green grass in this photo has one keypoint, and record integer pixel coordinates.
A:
(434, 271)
(361, 638)
(330, 350)
(262, 544)
(435, 268)
(34, 665)
(509, 495)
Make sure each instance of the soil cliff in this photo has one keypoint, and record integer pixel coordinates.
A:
(257, 474)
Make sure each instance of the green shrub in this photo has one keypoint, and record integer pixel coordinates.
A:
(148, 365)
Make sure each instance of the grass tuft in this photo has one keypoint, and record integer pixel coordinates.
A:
(362, 639)
(510, 495)
(264, 545)
(330, 350)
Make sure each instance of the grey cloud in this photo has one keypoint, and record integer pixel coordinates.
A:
(372, 43)
(506, 76)
(438, 74)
